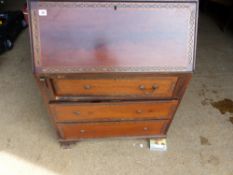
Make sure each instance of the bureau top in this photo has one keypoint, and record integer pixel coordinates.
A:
(77, 37)
(115, 0)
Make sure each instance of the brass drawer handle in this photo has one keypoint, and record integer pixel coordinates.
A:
(82, 131)
(139, 111)
(87, 87)
(76, 112)
(155, 86)
(142, 87)
(145, 129)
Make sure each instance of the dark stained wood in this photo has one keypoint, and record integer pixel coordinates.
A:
(146, 86)
(117, 0)
(45, 93)
(79, 112)
(182, 85)
(112, 68)
(133, 37)
(112, 129)
(180, 89)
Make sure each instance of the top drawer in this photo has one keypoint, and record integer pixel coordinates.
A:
(159, 87)
(99, 37)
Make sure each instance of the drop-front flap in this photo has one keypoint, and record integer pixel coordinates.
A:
(70, 37)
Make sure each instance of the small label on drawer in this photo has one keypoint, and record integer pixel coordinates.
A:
(42, 12)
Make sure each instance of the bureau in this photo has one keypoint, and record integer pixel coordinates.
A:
(112, 68)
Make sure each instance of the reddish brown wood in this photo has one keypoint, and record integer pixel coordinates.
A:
(182, 85)
(127, 36)
(180, 89)
(132, 86)
(112, 69)
(64, 112)
(112, 129)
(78, 112)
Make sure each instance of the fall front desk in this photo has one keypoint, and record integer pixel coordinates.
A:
(112, 68)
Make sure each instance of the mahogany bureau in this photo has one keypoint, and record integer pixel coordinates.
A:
(112, 68)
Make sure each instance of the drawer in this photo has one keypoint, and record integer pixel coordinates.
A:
(154, 87)
(112, 129)
(113, 111)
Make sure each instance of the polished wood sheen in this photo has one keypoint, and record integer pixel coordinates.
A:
(112, 68)
(112, 129)
(113, 36)
(131, 86)
(111, 111)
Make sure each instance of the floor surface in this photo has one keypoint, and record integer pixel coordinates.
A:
(200, 140)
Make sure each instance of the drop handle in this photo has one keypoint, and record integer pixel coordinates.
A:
(87, 87)
(82, 131)
(139, 111)
(76, 112)
(155, 86)
(145, 128)
(142, 87)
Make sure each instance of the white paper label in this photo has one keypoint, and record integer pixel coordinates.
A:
(42, 12)
(158, 144)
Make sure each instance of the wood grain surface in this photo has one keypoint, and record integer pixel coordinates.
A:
(118, 111)
(112, 129)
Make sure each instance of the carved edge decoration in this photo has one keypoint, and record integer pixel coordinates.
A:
(192, 23)
(112, 4)
(37, 47)
(36, 38)
(111, 69)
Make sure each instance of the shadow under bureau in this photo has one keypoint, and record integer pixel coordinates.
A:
(112, 69)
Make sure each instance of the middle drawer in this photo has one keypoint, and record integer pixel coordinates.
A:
(113, 111)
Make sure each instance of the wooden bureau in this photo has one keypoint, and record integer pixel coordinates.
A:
(112, 68)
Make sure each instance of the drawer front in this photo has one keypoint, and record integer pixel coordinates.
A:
(113, 111)
(128, 37)
(112, 129)
(162, 87)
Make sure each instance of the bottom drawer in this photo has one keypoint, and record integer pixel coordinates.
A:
(112, 129)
